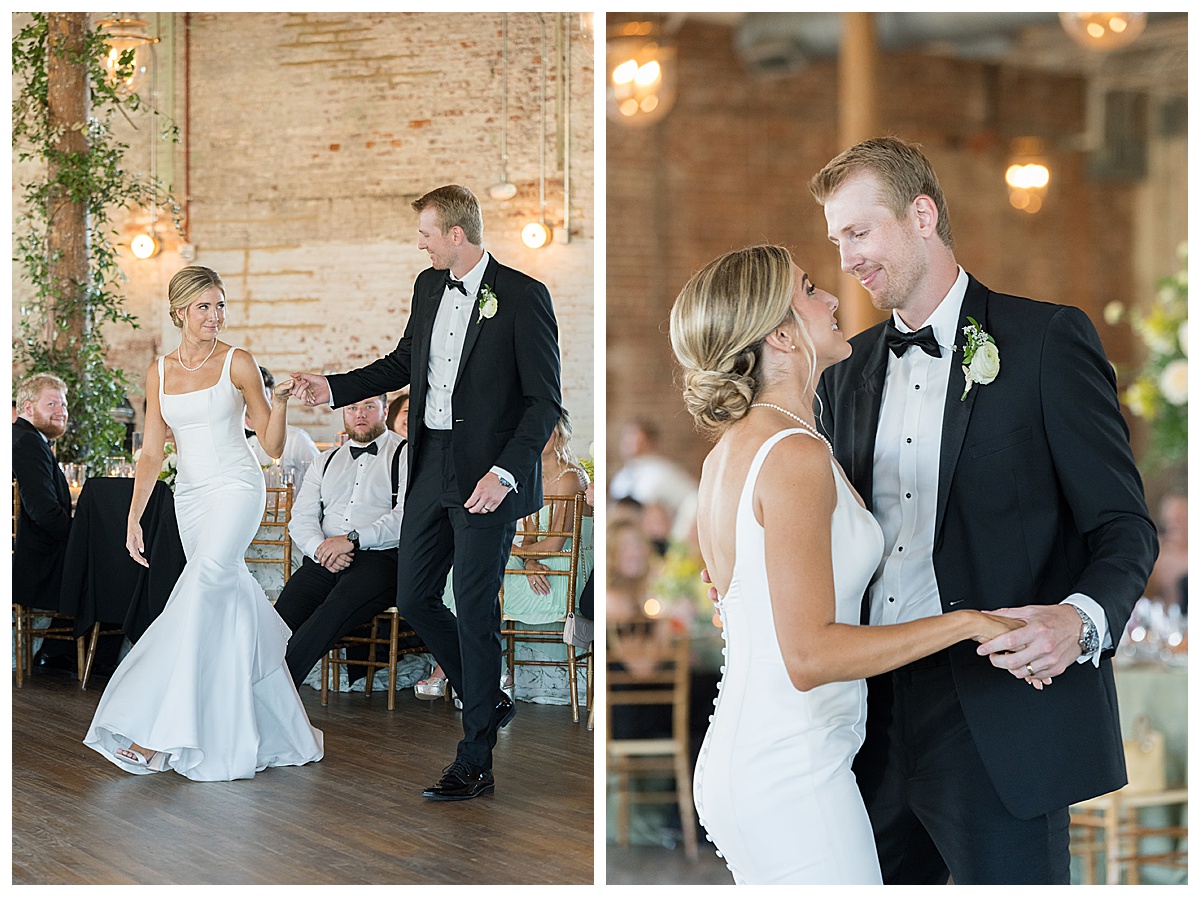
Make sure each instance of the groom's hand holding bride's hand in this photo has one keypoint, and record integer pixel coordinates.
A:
(312, 389)
(1043, 648)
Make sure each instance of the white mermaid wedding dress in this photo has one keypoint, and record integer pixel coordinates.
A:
(206, 685)
(773, 785)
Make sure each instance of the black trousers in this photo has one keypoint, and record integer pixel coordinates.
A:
(932, 805)
(320, 607)
(435, 535)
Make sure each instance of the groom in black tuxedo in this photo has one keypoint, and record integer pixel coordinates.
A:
(1007, 487)
(481, 354)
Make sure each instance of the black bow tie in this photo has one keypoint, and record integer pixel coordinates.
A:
(455, 284)
(356, 450)
(899, 342)
(250, 433)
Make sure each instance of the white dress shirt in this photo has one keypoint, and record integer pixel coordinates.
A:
(908, 448)
(446, 348)
(357, 493)
(298, 452)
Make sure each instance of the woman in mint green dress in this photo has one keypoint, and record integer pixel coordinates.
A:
(535, 598)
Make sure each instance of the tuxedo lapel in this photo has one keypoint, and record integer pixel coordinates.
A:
(958, 409)
(865, 403)
(476, 322)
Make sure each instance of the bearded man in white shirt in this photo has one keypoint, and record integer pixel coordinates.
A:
(346, 520)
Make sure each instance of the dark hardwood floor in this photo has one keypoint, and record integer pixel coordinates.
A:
(356, 817)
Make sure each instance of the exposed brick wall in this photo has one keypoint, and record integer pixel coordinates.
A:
(729, 166)
(310, 134)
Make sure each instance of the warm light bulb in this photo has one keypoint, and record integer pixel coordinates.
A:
(652, 607)
(535, 235)
(144, 246)
(625, 72)
(649, 73)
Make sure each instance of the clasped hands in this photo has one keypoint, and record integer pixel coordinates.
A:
(1042, 647)
(335, 554)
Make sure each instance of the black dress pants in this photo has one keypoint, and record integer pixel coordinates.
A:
(436, 534)
(320, 607)
(933, 809)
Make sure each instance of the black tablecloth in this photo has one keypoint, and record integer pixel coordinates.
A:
(101, 582)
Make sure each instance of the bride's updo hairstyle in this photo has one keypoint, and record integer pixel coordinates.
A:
(186, 287)
(718, 325)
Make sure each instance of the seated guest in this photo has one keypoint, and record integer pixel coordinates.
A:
(536, 598)
(397, 416)
(298, 450)
(346, 521)
(45, 518)
(666, 491)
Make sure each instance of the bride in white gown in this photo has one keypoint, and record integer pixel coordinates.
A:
(790, 546)
(205, 691)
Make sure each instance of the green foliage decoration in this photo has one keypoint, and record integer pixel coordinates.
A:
(45, 338)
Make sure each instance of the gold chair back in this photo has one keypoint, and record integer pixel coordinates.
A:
(647, 665)
(565, 521)
(273, 530)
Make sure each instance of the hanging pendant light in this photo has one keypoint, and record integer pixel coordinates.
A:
(127, 74)
(641, 74)
(1103, 31)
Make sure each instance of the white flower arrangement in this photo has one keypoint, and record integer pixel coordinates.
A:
(1158, 392)
(981, 357)
(488, 303)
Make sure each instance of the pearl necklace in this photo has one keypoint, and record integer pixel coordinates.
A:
(179, 355)
(805, 424)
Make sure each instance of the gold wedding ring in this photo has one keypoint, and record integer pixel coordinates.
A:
(1031, 672)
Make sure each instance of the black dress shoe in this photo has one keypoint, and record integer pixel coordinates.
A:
(461, 781)
(504, 712)
(61, 665)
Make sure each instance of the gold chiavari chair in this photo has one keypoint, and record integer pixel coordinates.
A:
(531, 531)
(276, 516)
(647, 665)
(368, 634)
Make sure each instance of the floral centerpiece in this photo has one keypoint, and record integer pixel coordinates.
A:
(1159, 391)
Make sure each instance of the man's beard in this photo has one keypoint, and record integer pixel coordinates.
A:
(371, 434)
(47, 427)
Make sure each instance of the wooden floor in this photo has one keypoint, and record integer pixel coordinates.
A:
(356, 817)
(640, 865)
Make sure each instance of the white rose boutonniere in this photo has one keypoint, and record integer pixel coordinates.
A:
(981, 357)
(488, 304)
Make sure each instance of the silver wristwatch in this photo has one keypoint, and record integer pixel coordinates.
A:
(1089, 639)
(504, 481)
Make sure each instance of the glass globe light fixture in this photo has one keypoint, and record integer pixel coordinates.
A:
(1103, 31)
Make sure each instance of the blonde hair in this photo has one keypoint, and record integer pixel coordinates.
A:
(31, 388)
(718, 325)
(561, 439)
(187, 285)
(903, 172)
(456, 207)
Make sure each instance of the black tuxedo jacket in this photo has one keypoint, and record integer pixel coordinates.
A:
(1038, 498)
(507, 396)
(44, 522)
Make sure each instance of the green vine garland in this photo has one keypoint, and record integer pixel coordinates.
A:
(95, 177)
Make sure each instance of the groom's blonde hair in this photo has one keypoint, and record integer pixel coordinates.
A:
(456, 207)
(718, 327)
